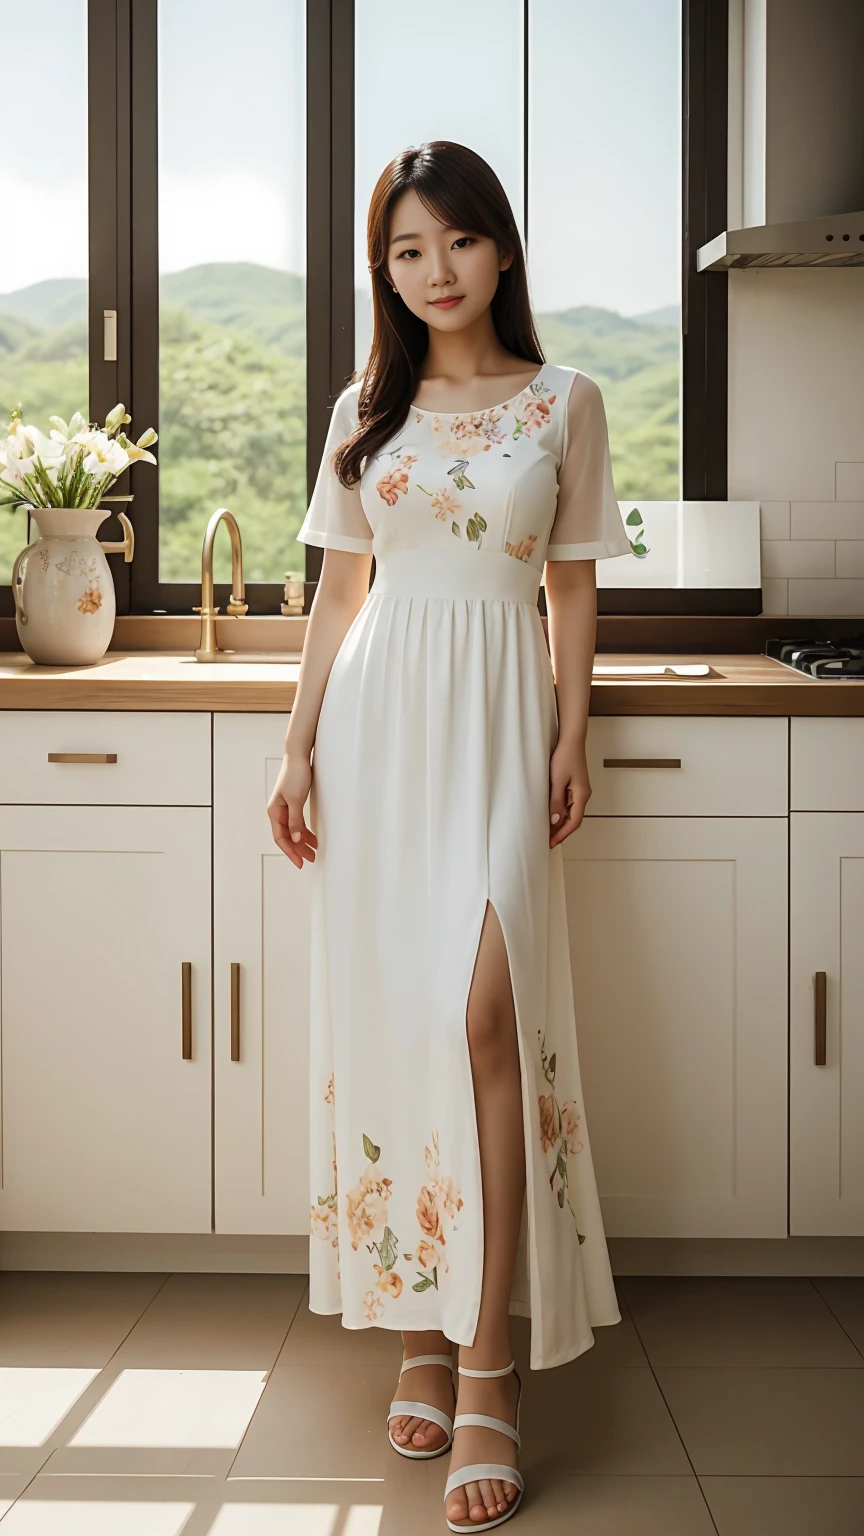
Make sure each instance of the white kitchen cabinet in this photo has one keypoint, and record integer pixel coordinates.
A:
(678, 943)
(105, 1029)
(261, 929)
(827, 1018)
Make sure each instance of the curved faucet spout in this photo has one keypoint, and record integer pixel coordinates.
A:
(208, 650)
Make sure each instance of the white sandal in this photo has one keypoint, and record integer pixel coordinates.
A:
(487, 1470)
(422, 1411)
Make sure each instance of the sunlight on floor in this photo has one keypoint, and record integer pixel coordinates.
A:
(279, 1520)
(34, 1400)
(192, 1409)
(62, 1517)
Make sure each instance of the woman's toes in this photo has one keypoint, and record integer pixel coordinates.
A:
(498, 1496)
(457, 1504)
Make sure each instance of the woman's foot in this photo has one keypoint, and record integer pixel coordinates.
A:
(495, 1397)
(432, 1384)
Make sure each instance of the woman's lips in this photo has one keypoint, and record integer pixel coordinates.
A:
(448, 303)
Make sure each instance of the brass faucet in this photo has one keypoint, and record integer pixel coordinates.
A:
(208, 650)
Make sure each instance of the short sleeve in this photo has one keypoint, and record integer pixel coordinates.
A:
(588, 523)
(335, 518)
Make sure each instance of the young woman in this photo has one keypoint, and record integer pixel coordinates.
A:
(452, 1181)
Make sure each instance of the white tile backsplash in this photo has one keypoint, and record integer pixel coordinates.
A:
(775, 520)
(798, 557)
(850, 557)
(849, 482)
(775, 595)
(828, 597)
(796, 432)
(828, 519)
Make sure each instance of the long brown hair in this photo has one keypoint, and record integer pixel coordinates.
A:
(461, 189)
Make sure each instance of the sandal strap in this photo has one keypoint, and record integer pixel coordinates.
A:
(421, 1411)
(505, 1371)
(484, 1469)
(483, 1421)
(408, 1365)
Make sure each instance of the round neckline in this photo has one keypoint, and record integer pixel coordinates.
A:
(500, 405)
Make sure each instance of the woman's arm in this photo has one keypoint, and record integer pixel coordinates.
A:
(342, 590)
(571, 602)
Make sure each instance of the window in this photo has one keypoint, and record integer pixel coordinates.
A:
(604, 221)
(226, 178)
(43, 278)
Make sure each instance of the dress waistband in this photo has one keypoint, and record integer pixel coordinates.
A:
(458, 573)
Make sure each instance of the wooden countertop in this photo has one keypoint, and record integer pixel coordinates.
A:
(741, 685)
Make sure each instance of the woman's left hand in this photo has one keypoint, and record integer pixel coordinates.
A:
(569, 790)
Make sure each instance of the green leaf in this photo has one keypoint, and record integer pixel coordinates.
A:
(561, 1197)
(435, 1277)
(580, 1235)
(552, 1060)
(471, 530)
(480, 521)
(633, 518)
(372, 1152)
(388, 1249)
(423, 1284)
(454, 528)
(639, 550)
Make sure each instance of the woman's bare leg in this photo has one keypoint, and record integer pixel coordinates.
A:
(494, 1050)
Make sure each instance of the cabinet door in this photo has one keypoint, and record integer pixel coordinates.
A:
(827, 1100)
(678, 946)
(105, 1122)
(261, 925)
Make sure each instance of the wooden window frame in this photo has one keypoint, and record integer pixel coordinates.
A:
(124, 257)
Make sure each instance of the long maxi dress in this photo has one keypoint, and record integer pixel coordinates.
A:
(430, 797)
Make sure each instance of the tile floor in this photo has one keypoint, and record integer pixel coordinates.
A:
(217, 1405)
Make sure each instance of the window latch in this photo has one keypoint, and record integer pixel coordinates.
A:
(109, 335)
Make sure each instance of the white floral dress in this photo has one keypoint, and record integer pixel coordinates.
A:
(430, 796)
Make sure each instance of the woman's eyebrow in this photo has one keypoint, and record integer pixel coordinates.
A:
(448, 230)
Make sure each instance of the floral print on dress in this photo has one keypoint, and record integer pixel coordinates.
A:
(438, 1204)
(523, 549)
(323, 1217)
(395, 481)
(559, 1127)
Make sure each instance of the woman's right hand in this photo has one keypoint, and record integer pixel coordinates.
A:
(285, 809)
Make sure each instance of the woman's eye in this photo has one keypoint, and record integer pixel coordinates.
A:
(411, 252)
(469, 238)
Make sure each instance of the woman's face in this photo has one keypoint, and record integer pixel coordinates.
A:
(429, 264)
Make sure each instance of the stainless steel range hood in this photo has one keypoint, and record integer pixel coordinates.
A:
(837, 241)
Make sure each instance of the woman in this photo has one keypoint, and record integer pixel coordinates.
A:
(451, 1173)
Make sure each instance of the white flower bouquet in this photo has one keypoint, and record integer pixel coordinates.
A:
(75, 467)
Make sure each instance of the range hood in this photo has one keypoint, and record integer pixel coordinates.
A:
(836, 241)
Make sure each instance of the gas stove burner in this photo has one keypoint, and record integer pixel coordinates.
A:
(841, 662)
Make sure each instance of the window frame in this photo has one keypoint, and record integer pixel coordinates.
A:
(124, 258)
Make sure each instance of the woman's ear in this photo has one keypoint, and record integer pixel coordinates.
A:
(505, 261)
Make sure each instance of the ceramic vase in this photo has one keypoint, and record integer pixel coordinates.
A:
(63, 588)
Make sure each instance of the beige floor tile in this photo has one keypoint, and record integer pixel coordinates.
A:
(317, 1340)
(786, 1506)
(402, 1504)
(215, 1322)
(33, 1402)
(178, 1394)
(612, 1421)
(729, 1322)
(69, 1319)
(782, 1422)
(845, 1296)
(320, 1421)
(613, 1506)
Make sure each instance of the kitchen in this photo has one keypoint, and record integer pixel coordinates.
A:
(162, 1370)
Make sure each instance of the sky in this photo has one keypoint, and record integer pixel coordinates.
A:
(604, 133)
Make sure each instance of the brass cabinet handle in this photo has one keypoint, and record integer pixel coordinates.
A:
(641, 762)
(82, 757)
(820, 1019)
(186, 1008)
(235, 1011)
